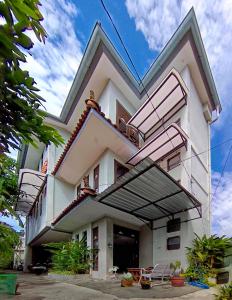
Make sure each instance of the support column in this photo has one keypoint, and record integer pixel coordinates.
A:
(27, 258)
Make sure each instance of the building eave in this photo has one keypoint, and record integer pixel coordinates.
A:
(188, 25)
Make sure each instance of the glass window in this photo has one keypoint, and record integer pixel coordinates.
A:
(173, 243)
(96, 179)
(173, 225)
(119, 170)
(77, 237)
(95, 248)
(84, 238)
(78, 190)
(174, 161)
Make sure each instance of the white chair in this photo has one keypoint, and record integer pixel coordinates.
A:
(160, 271)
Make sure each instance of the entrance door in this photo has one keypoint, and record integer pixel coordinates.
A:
(126, 248)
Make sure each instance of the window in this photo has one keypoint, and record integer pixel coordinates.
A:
(78, 190)
(173, 225)
(96, 179)
(86, 181)
(173, 161)
(119, 170)
(77, 237)
(122, 117)
(95, 248)
(84, 238)
(173, 243)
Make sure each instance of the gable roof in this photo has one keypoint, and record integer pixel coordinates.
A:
(99, 43)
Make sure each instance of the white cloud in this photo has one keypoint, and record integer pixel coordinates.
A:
(54, 64)
(222, 204)
(158, 20)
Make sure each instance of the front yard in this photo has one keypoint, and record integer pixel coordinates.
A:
(34, 287)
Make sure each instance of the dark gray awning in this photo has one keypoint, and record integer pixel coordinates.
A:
(149, 193)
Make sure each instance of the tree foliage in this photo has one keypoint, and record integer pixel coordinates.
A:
(8, 185)
(21, 118)
(8, 240)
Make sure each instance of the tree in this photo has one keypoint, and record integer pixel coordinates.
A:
(8, 240)
(8, 196)
(21, 118)
(8, 185)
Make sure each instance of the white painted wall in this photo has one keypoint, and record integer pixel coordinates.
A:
(198, 168)
(108, 99)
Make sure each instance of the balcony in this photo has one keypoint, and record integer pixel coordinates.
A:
(94, 134)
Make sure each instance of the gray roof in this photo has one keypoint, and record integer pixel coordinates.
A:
(188, 26)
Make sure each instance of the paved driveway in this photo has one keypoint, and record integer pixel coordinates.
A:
(41, 288)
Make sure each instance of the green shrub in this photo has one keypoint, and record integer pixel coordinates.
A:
(71, 256)
(203, 254)
(225, 292)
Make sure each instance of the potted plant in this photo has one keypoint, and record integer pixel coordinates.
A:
(145, 284)
(127, 279)
(91, 103)
(177, 279)
(87, 189)
(113, 271)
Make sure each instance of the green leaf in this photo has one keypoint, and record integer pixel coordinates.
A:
(24, 41)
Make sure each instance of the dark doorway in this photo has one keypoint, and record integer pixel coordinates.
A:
(40, 255)
(126, 248)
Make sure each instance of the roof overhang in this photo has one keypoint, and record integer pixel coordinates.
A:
(30, 185)
(143, 195)
(101, 135)
(170, 139)
(88, 211)
(50, 235)
(99, 44)
(149, 193)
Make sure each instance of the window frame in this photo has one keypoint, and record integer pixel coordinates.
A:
(169, 168)
(175, 247)
(116, 164)
(178, 223)
(96, 172)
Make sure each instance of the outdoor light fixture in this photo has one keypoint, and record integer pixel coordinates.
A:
(110, 245)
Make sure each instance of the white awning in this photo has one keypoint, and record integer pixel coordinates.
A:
(167, 100)
(169, 140)
(30, 184)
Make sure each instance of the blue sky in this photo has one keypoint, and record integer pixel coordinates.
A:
(145, 26)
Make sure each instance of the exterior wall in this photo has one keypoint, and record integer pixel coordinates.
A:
(197, 181)
(62, 191)
(145, 247)
(106, 171)
(108, 101)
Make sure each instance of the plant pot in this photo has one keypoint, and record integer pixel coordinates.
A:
(126, 283)
(146, 286)
(177, 281)
(88, 190)
(212, 280)
(90, 103)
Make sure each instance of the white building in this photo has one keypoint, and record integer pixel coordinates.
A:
(19, 251)
(149, 214)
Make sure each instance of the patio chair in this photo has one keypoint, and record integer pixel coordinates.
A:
(160, 271)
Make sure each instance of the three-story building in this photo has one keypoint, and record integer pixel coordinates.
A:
(129, 179)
